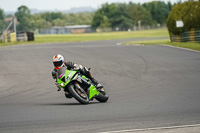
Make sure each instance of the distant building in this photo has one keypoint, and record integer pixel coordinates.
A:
(8, 19)
(67, 29)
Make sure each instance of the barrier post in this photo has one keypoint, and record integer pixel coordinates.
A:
(5, 38)
(13, 37)
(192, 35)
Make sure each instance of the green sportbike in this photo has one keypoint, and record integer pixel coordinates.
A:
(79, 86)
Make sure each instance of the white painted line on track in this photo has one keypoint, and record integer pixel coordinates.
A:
(130, 44)
(151, 129)
(163, 45)
(180, 48)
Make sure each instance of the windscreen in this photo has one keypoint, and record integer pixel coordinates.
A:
(61, 72)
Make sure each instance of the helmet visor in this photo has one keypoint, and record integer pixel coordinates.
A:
(58, 63)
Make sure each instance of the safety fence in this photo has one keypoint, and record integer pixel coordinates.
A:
(13, 37)
(190, 36)
(10, 37)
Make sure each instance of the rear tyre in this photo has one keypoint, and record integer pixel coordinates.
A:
(102, 97)
(78, 95)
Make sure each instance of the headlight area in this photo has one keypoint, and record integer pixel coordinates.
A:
(62, 84)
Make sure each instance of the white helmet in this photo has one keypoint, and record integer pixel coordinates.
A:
(58, 61)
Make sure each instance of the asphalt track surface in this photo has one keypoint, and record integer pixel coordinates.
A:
(149, 86)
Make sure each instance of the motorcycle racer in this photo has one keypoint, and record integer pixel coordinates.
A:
(59, 62)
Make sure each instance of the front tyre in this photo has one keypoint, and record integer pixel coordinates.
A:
(80, 96)
(102, 97)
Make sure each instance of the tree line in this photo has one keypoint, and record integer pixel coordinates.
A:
(33, 22)
(125, 16)
(116, 15)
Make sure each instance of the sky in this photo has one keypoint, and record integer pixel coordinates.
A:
(12, 5)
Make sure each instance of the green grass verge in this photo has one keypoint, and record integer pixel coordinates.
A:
(189, 45)
(108, 36)
(93, 36)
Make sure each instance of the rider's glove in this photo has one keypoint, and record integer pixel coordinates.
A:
(78, 67)
(54, 74)
(59, 89)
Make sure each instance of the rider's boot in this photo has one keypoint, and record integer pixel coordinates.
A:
(96, 83)
(87, 73)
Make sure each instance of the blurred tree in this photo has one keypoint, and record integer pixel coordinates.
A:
(24, 19)
(122, 19)
(98, 17)
(169, 4)
(58, 22)
(39, 22)
(46, 16)
(116, 15)
(112, 15)
(105, 23)
(2, 23)
(139, 13)
(50, 16)
(60, 19)
(121, 16)
(159, 10)
(2, 15)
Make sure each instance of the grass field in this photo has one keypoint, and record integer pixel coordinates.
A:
(60, 38)
(101, 36)
(93, 36)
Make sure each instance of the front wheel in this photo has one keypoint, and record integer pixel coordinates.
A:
(102, 97)
(79, 94)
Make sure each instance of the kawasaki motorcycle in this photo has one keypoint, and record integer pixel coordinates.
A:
(79, 86)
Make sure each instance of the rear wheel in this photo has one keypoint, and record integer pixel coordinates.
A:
(79, 94)
(102, 97)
